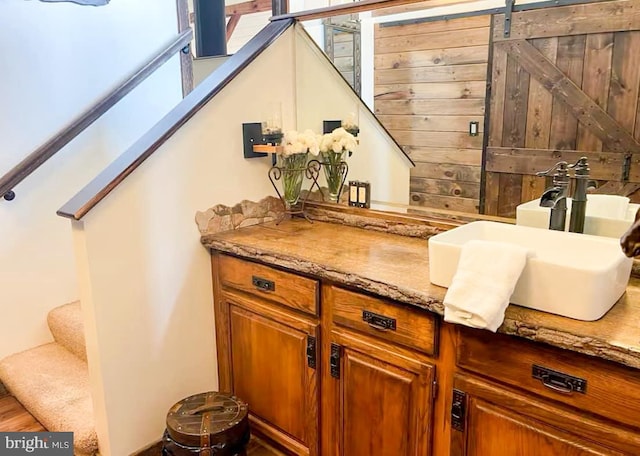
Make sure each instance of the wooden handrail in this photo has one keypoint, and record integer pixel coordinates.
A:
(357, 7)
(116, 172)
(32, 161)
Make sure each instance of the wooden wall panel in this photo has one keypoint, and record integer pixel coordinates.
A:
(443, 187)
(513, 133)
(595, 82)
(498, 94)
(446, 171)
(538, 119)
(437, 40)
(570, 59)
(444, 155)
(571, 20)
(625, 79)
(444, 107)
(432, 57)
(454, 203)
(430, 83)
(454, 27)
(429, 123)
(437, 139)
(472, 72)
(604, 165)
(417, 90)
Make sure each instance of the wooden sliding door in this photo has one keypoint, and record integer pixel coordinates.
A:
(565, 83)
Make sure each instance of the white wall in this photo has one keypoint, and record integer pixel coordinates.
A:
(248, 26)
(322, 94)
(57, 59)
(204, 66)
(145, 277)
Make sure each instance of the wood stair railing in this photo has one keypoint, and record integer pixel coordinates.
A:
(33, 161)
(96, 190)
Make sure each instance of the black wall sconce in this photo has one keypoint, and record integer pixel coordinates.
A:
(329, 125)
(350, 123)
(262, 138)
(259, 144)
(474, 128)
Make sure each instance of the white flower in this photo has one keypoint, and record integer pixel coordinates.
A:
(339, 140)
(294, 142)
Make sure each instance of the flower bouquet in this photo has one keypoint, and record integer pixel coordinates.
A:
(292, 167)
(332, 149)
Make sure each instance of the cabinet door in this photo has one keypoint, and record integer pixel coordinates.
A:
(495, 422)
(382, 399)
(270, 370)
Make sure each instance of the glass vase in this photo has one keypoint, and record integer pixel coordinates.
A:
(293, 169)
(335, 170)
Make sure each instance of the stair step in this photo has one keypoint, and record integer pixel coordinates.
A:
(53, 385)
(65, 323)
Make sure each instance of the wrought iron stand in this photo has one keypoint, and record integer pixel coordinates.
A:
(311, 172)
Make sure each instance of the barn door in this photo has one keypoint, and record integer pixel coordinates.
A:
(565, 83)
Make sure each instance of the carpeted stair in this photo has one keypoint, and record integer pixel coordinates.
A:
(52, 381)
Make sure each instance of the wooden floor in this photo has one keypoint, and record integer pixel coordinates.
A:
(259, 448)
(14, 418)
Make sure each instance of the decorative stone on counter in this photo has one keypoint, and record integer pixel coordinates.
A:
(222, 218)
(397, 267)
(389, 223)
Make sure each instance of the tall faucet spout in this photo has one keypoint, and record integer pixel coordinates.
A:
(550, 196)
(556, 197)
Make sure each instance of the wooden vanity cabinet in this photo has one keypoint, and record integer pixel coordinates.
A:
(275, 339)
(380, 398)
(267, 335)
(336, 372)
(378, 390)
(513, 396)
(490, 420)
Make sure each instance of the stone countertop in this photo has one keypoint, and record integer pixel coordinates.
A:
(397, 267)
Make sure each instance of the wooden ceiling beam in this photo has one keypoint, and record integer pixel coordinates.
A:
(252, 6)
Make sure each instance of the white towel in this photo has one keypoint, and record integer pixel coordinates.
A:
(483, 283)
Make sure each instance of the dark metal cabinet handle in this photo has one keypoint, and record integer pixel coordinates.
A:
(548, 381)
(379, 322)
(334, 360)
(559, 381)
(263, 284)
(378, 327)
(311, 352)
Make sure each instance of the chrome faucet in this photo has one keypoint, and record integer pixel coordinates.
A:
(555, 196)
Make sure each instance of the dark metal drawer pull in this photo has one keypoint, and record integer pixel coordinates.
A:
(559, 381)
(263, 284)
(379, 322)
(334, 360)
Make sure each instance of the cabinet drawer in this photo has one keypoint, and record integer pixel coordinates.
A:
(394, 322)
(294, 291)
(590, 384)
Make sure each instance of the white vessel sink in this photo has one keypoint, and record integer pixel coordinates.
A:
(574, 275)
(606, 215)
